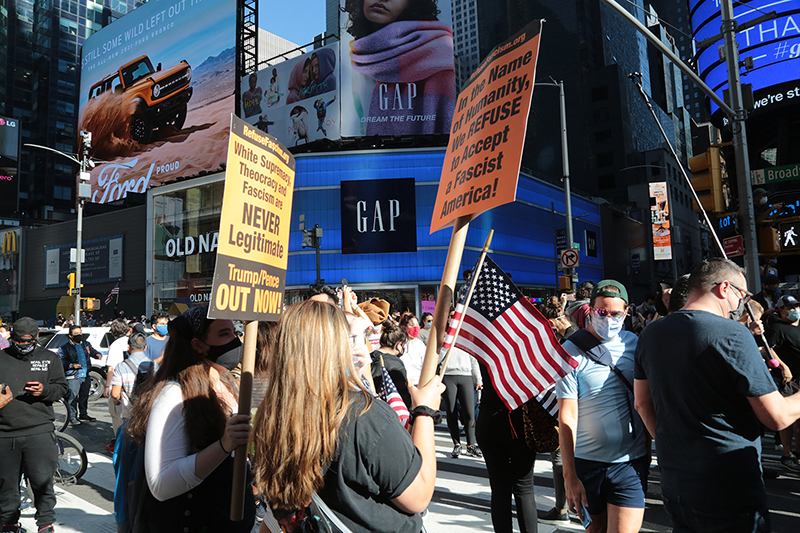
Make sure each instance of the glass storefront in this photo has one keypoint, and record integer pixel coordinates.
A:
(185, 226)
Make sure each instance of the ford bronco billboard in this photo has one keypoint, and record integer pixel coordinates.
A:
(157, 91)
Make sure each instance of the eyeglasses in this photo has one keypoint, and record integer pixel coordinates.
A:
(605, 313)
(358, 340)
(747, 294)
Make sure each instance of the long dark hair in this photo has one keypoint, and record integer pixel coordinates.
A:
(392, 333)
(204, 411)
(361, 27)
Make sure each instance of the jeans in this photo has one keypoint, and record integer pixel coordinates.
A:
(78, 397)
(688, 517)
(37, 457)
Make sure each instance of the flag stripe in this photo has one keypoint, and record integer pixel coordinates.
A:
(512, 357)
(544, 364)
(539, 381)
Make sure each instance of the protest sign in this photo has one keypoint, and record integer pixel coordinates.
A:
(253, 250)
(483, 156)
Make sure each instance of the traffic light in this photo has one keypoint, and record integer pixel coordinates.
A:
(308, 238)
(71, 277)
(709, 181)
(90, 304)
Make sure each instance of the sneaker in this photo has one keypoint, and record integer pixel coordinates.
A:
(87, 418)
(12, 528)
(456, 451)
(554, 517)
(75, 422)
(474, 451)
(48, 529)
(789, 462)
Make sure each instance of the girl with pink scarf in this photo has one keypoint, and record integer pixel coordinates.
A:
(405, 57)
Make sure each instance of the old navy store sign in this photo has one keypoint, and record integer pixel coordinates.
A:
(378, 216)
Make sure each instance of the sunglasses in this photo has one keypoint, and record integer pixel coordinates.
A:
(605, 313)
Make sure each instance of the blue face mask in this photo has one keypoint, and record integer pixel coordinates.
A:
(162, 330)
(607, 328)
(794, 315)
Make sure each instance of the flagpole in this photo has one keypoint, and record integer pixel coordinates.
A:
(443, 299)
(473, 281)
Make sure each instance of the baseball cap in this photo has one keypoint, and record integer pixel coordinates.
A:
(623, 292)
(771, 280)
(787, 301)
(759, 192)
(24, 326)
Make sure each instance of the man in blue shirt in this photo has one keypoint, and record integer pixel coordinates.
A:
(702, 387)
(75, 360)
(602, 439)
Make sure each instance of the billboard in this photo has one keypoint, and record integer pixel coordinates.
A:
(774, 46)
(297, 100)
(157, 91)
(397, 70)
(102, 262)
(9, 165)
(659, 218)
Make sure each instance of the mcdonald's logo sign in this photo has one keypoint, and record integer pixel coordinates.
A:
(9, 242)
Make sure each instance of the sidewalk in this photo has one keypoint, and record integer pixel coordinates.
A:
(461, 502)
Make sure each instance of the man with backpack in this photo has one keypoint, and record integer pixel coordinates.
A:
(130, 373)
(602, 437)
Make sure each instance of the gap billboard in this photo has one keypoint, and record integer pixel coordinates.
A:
(397, 68)
(156, 92)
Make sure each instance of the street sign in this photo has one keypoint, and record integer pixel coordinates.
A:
(775, 174)
(734, 246)
(789, 232)
(569, 258)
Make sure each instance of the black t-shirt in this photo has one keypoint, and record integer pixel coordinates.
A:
(397, 371)
(785, 339)
(701, 368)
(375, 462)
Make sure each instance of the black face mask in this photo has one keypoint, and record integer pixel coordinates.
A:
(227, 355)
(77, 339)
(24, 349)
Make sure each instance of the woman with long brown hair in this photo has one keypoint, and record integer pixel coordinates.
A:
(184, 419)
(318, 430)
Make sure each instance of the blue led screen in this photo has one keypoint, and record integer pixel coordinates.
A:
(774, 46)
(523, 241)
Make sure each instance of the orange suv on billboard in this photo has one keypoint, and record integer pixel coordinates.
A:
(156, 98)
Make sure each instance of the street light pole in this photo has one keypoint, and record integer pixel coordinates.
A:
(565, 164)
(746, 211)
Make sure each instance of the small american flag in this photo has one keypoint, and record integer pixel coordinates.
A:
(114, 292)
(506, 333)
(388, 393)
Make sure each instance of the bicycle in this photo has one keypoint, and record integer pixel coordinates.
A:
(72, 460)
(61, 410)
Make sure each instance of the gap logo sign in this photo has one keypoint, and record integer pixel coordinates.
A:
(378, 216)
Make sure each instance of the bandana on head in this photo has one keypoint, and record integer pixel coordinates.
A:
(196, 316)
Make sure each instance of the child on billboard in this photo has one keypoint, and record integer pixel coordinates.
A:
(404, 57)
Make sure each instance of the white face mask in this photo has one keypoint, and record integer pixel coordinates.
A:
(763, 201)
(607, 328)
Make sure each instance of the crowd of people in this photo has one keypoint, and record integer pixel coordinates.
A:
(688, 370)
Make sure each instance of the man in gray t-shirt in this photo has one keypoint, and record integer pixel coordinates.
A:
(602, 439)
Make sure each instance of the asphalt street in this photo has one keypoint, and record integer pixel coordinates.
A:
(461, 502)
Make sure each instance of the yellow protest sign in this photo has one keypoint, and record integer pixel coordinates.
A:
(253, 250)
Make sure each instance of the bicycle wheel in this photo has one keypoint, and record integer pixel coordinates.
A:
(61, 410)
(72, 461)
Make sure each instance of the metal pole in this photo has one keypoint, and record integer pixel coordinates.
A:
(84, 165)
(746, 211)
(316, 247)
(565, 161)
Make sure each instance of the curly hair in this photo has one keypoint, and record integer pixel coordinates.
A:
(360, 26)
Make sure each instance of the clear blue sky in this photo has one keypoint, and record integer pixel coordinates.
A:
(296, 20)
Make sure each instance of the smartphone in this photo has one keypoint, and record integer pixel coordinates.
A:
(586, 519)
(344, 282)
(3, 388)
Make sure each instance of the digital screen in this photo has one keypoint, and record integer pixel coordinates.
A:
(774, 46)
(9, 165)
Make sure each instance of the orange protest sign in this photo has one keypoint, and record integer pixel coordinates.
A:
(482, 161)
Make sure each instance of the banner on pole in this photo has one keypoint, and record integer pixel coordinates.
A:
(253, 250)
(481, 165)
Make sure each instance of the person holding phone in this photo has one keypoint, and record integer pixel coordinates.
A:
(32, 380)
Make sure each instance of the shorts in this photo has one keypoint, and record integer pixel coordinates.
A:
(619, 484)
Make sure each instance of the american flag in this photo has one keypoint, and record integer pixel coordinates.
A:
(505, 332)
(113, 293)
(388, 393)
